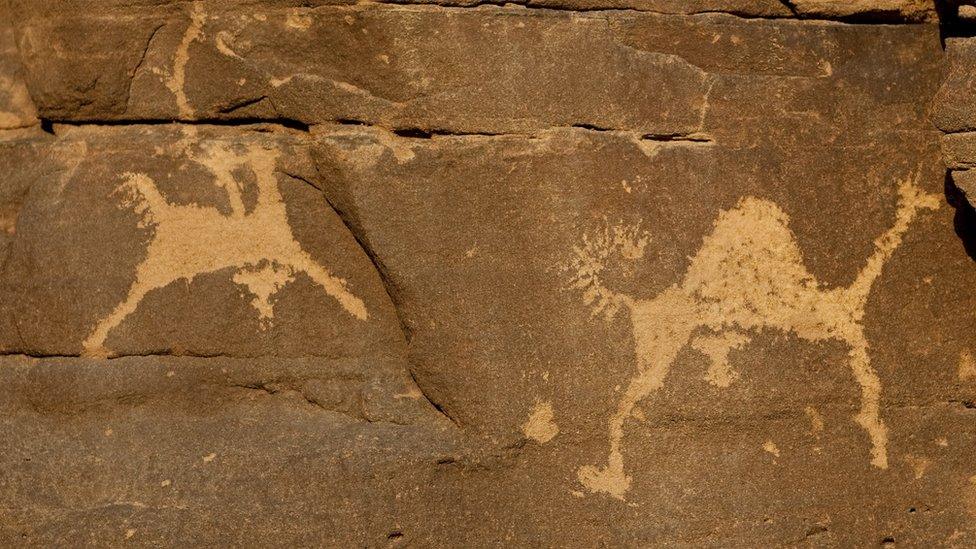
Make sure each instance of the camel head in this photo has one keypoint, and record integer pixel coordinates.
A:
(609, 252)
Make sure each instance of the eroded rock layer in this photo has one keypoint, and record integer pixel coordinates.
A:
(564, 273)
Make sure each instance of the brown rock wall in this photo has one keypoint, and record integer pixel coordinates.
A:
(564, 273)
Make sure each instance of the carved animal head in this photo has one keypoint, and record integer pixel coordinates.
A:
(600, 253)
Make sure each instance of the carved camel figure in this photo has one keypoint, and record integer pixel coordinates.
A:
(747, 276)
(189, 240)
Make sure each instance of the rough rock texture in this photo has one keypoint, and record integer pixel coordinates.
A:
(909, 10)
(16, 108)
(594, 273)
(955, 114)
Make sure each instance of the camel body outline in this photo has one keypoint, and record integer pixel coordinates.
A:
(190, 240)
(747, 276)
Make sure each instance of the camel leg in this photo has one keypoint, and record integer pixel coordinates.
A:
(869, 417)
(333, 285)
(661, 328)
(612, 479)
(149, 204)
(94, 344)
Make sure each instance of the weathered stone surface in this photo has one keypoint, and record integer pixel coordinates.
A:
(748, 8)
(379, 65)
(959, 150)
(869, 10)
(954, 109)
(545, 267)
(167, 240)
(148, 240)
(953, 113)
(959, 154)
(493, 243)
(909, 10)
(19, 155)
(16, 108)
(575, 172)
(401, 78)
(151, 450)
(480, 276)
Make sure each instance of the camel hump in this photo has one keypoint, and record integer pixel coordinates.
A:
(751, 250)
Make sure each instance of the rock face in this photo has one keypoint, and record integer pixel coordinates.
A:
(955, 114)
(564, 273)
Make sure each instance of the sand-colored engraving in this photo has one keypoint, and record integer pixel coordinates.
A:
(540, 426)
(748, 276)
(190, 240)
(816, 421)
(16, 107)
(176, 81)
(221, 42)
(15, 97)
(920, 465)
(299, 20)
(970, 496)
(967, 366)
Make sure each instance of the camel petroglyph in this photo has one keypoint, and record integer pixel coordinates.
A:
(190, 240)
(747, 276)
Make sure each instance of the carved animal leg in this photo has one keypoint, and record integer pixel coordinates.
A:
(612, 479)
(661, 328)
(333, 285)
(94, 345)
(869, 416)
(150, 201)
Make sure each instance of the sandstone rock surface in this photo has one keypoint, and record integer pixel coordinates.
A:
(565, 273)
(954, 114)
(16, 108)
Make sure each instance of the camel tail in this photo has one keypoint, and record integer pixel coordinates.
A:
(911, 199)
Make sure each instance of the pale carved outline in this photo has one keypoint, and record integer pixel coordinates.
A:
(190, 240)
(747, 276)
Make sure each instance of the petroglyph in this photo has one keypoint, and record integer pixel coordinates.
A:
(970, 496)
(190, 240)
(967, 365)
(816, 421)
(22, 113)
(176, 80)
(748, 276)
(540, 425)
(298, 20)
(919, 465)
